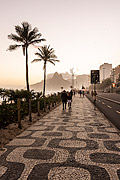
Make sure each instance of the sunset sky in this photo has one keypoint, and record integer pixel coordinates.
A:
(84, 34)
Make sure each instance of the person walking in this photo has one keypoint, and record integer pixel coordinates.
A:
(69, 100)
(71, 93)
(94, 96)
(64, 99)
(80, 93)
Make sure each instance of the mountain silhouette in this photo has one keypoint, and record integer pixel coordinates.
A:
(65, 76)
(53, 84)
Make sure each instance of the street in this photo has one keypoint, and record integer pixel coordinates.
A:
(109, 104)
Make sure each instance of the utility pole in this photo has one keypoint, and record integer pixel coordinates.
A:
(76, 84)
(71, 70)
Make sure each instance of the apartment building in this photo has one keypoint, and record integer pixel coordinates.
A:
(115, 74)
(105, 71)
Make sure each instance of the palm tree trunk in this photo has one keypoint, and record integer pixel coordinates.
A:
(27, 80)
(44, 78)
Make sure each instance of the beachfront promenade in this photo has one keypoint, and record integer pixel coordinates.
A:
(75, 144)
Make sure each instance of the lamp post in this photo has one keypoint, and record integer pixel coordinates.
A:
(71, 70)
(76, 84)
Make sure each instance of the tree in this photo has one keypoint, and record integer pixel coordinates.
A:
(118, 81)
(107, 82)
(46, 54)
(25, 37)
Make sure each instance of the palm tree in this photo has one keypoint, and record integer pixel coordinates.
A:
(46, 54)
(25, 37)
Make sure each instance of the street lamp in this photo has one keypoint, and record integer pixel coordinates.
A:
(71, 70)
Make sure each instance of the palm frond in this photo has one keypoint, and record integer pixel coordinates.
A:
(55, 60)
(36, 60)
(39, 55)
(13, 47)
(51, 50)
(25, 29)
(37, 41)
(51, 62)
(34, 34)
(41, 51)
(15, 38)
(53, 56)
(26, 26)
(19, 30)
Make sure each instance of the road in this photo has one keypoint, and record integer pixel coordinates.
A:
(109, 104)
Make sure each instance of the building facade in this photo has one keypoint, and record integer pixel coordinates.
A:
(115, 74)
(105, 71)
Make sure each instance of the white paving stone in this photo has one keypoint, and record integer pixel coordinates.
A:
(68, 173)
(72, 143)
(21, 142)
(3, 169)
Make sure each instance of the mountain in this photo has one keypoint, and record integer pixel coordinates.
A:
(49, 76)
(53, 84)
(65, 76)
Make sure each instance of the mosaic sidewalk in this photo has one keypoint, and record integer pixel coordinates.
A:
(75, 144)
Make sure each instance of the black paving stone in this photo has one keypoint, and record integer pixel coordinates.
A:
(13, 172)
(39, 154)
(99, 136)
(106, 158)
(52, 134)
(38, 142)
(118, 173)
(96, 124)
(112, 145)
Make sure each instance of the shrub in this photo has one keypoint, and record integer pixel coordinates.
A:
(9, 111)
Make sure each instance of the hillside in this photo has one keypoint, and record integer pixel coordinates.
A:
(53, 84)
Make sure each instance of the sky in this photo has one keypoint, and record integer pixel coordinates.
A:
(83, 33)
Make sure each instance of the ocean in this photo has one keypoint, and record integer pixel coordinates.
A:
(1, 100)
(47, 92)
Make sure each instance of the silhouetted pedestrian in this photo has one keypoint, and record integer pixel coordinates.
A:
(71, 92)
(64, 99)
(80, 93)
(69, 100)
(92, 93)
(94, 96)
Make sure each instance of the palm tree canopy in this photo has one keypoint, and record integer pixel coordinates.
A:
(46, 54)
(25, 36)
